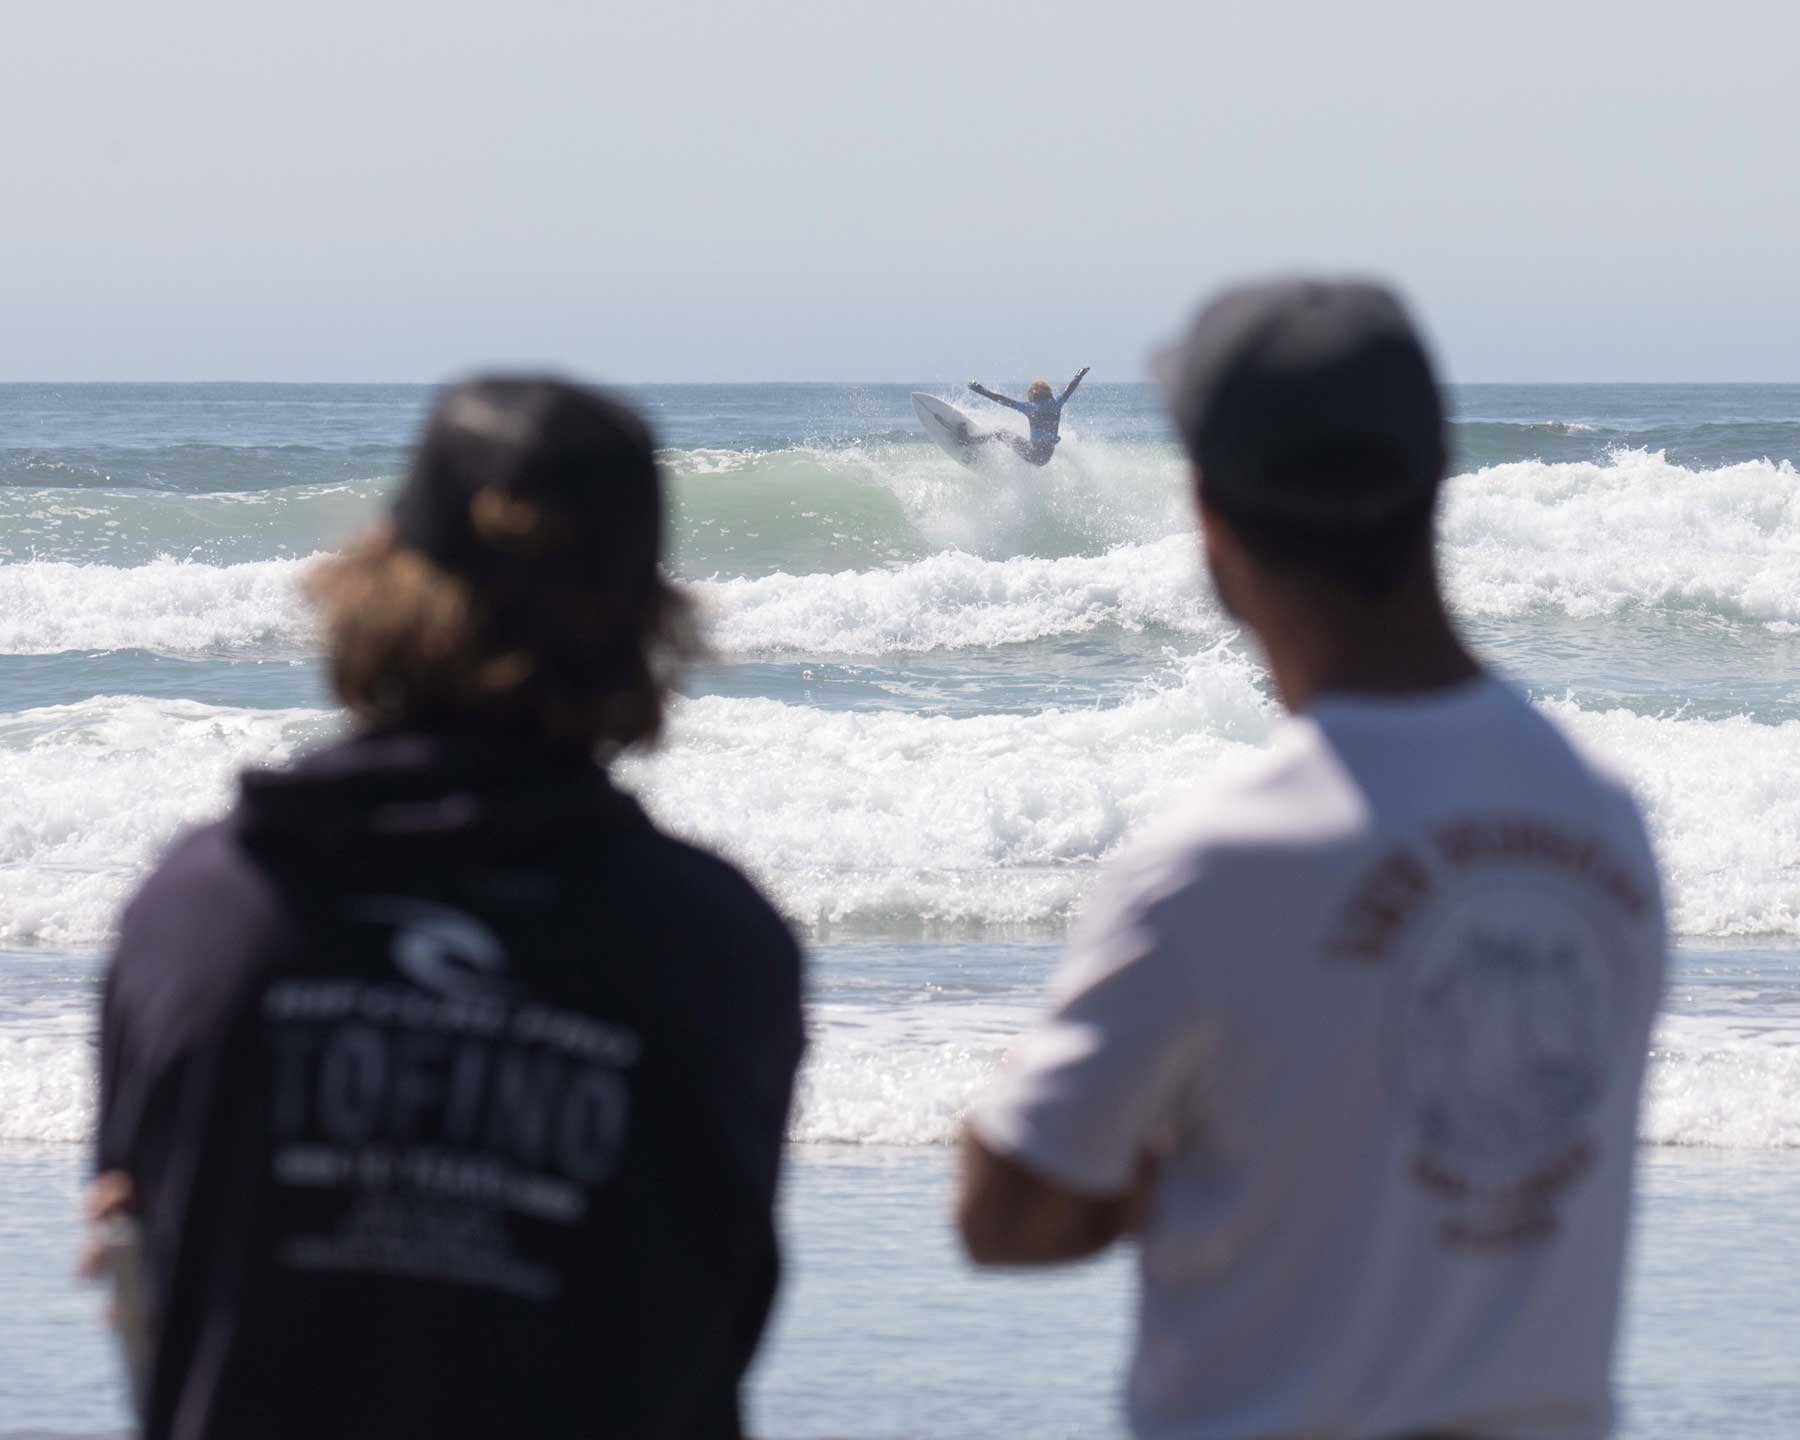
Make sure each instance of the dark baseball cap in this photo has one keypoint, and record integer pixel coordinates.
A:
(1308, 399)
(519, 477)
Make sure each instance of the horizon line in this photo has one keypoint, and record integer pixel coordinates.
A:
(1149, 383)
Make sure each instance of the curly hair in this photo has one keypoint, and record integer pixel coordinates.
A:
(413, 646)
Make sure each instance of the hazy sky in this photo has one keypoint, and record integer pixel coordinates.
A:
(665, 189)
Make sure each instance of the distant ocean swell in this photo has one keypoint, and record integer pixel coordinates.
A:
(194, 469)
(217, 527)
(825, 552)
(1476, 444)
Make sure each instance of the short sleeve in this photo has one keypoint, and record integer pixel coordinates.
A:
(1099, 1082)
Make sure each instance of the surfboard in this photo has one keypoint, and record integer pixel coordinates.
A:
(949, 428)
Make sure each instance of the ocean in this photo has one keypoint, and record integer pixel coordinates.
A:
(938, 702)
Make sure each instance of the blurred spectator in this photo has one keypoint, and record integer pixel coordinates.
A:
(1354, 1041)
(448, 1092)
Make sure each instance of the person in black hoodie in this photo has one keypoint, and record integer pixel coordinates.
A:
(448, 1092)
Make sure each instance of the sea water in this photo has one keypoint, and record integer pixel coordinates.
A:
(939, 700)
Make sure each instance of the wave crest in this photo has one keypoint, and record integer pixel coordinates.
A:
(170, 607)
(956, 600)
(1633, 532)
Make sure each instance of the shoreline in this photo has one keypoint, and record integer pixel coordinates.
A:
(882, 1331)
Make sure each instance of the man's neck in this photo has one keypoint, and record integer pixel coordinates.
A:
(1403, 644)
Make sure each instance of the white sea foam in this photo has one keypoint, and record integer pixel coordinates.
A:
(1726, 1082)
(956, 600)
(906, 1077)
(95, 790)
(1722, 805)
(905, 1074)
(851, 819)
(1001, 820)
(898, 1075)
(911, 820)
(1096, 496)
(946, 602)
(179, 607)
(1633, 531)
(47, 1069)
(880, 820)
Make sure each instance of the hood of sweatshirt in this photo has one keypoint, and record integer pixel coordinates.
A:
(415, 798)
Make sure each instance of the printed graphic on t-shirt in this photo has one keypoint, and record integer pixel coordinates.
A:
(1505, 943)
(438, 1104)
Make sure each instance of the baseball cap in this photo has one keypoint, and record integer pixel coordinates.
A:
(522, 477)
(1308, 399)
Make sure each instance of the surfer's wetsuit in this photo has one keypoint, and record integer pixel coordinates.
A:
(1045, 417)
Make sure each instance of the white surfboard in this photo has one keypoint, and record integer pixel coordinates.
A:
(951, 430)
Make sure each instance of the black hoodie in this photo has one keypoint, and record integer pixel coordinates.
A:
(453, 1092)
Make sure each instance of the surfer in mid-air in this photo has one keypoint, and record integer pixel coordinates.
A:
(1042, 406)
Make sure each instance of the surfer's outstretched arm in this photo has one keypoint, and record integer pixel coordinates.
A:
(998, 398)
(1073, 383)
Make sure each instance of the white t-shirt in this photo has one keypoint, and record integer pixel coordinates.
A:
(1383, 1007)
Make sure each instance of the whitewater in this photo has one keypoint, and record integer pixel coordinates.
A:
(937, 701)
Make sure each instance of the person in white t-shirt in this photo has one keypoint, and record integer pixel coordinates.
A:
(1352, 1043)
